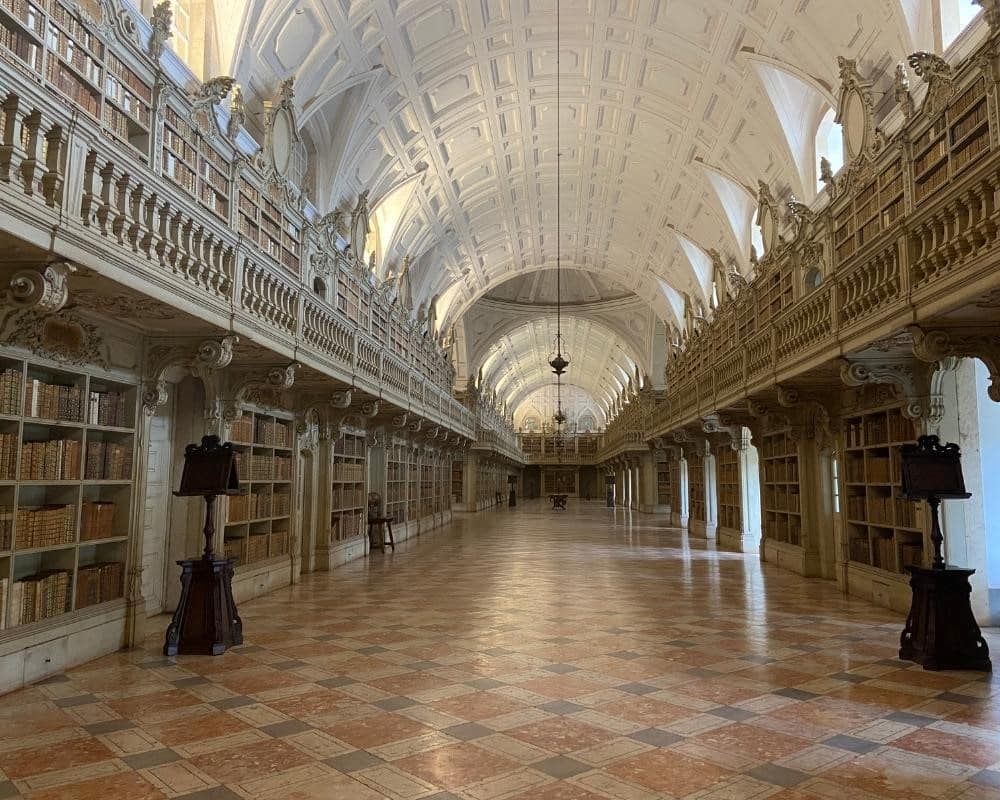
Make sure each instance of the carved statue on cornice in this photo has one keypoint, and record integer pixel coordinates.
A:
(826, 177)
(802, 217)
(991, 13)
(360, 225)
(939, 77)
(212, 92)
(901, 91)
(237, 112)
(767, 219)
(162, 24)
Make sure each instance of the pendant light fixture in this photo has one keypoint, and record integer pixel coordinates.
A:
(558, 361)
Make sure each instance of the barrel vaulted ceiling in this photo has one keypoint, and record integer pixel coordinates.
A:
(671, 112)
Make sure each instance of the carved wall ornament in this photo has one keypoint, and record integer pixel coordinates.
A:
(936, 345)
(939, 77)
(215, 353)
(123, 307)
(63, 336)
(203, 102)
(281, 137)
(991, 13)
(767, 217)
(162, 24)
(341, 398)
(237, 112)
(266, 389)
(360, 225)
(739, 440)
(370, 409)
(827, 178)
(918, 381)
(856, 112)
(45, 290)
(400, 420)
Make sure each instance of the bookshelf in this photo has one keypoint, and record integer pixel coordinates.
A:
(875, 208)
(258, 523)
(781, 492)
(264, 222)
(664, 484)
(427, 488)
(395, 483)
(727, 465)
(675, 487)
(54, 44)
(775, 293)
(696, 487)
(348, 495)
(193, 164)
(457, 481)
(67, 455)
(883, 530)
(413, 487)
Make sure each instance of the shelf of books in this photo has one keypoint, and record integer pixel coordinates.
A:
(413, 487)
(457, 481)
(265, 222)
(348, 496)
(780, 496)
(427, 489)
(55, 44)
(258, 522)
(883, 530)
(664, 484)
(191, 162)
(875, 208)
(397, 459)
(67, 454)
(727, 466)
(775, 292)
(696, 487)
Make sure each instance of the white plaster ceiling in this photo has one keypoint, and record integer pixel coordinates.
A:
(575, 288)
(667, 125)
(517, 363)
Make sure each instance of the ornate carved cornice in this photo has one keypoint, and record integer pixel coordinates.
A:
(714, 424)
(936, 345)
(202, 358)
(939, 77)
(919, 381)
(45, 290)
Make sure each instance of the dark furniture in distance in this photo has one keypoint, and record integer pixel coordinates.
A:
(206, 621)
(378, 524)
(558, 501)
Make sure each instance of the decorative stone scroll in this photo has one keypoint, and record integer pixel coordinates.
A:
(939, 77)
(45, 290)
(936, 345)
(204, 358)
(919, 381)
(738, 438)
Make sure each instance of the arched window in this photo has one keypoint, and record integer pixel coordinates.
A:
(319, 288)
(955, 16)
(829, 145)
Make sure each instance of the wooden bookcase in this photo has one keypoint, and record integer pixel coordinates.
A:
(781, 491)
(427, 489)
(775, 293)
(67, 463)
(874, 209)
(397, 459)
(348, 496)
(263, 221)
(883, 530)
(258, 523)
(696, 487)
(413, 487)
(457, 481)
(727, 465)
(664, 484)
(951, 142)
(675, 487)
(53, 44)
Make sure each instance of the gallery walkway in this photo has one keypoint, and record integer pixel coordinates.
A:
(524, 654)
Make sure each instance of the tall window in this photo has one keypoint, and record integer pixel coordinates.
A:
(829, 145)
(955, 16)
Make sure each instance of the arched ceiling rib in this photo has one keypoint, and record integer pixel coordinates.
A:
(468, 88)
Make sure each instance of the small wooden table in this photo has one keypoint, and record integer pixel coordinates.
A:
(376, 524)
(558, 501)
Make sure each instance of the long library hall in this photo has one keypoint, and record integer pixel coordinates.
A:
(547, 400)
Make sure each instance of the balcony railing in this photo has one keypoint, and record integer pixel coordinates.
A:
(138, 183)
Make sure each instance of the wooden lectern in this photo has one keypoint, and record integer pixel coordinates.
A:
(206, 621)
(941, 631)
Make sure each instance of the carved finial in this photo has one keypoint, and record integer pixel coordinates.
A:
(213, 91)
(826, 176)
(901, 90)
(991, 13)
(162, 23)
(286, 94)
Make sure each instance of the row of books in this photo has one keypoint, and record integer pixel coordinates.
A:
(348, 496)
(353, 446)
(349, 471)
(256, 547)
(8, 455)
(962, 157)
(54, 460)
(783, 528)
(258, 505)
(272, 433)
(22, 47)
(99, 583)
(241, 430)
(38, 597)
(108, 461)
(775, 446)
(108, 408)
(779, 471)
(45, 526)
(233, 548)
(780, 500)
(73, 88)
(53, 401)
(6, 528)
(10, 386)
(877, 469)
(346, 526)
(263, 467)
(130, 79)
(969, 123)
(97, 520)
(28, 13)
(279, 543)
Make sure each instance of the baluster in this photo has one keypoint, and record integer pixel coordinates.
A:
(174, 251)
(33, 164)
(150, 213)
(12, 143)
(106, 210)
(162, 240)
(91, 200)
(123, 198)
(57, 143)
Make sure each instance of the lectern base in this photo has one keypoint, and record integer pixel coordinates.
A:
(941, 631)
(206, 621)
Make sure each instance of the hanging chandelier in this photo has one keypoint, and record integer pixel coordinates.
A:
(558, 360)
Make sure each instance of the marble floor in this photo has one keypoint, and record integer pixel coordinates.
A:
(524, 655)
